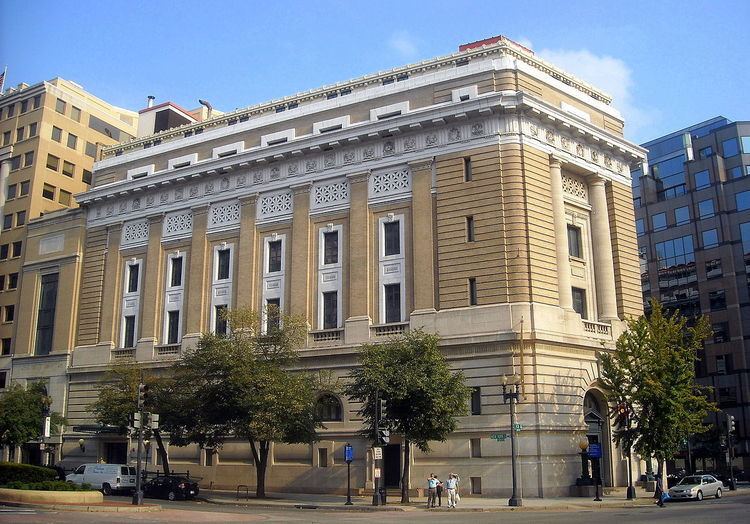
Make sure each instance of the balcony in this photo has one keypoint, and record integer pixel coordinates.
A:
(327, 337)
(120, 354)
(168, 351)
(597, 329)
(395, 329)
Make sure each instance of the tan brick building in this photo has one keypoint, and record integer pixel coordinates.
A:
(483, 195)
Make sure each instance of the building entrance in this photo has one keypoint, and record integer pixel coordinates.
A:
(392, 465)
(596, 420)
(116, 452)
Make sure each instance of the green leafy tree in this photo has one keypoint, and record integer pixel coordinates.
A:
(241, 386)
(423, 397)
(651, 375)
(118, 400)
(22, 414)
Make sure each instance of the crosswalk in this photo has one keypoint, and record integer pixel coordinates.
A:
(17, 511)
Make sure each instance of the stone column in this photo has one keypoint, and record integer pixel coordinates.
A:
(153, 290)
(422, 235)
(246, 274)
(604, 270)
(112, 288)
(561, 235)
(358, 323)
(196, 282)
(300, 244)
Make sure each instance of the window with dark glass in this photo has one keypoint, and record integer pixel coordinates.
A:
(133, 271)
(173, 327)
(72, 141)
(392, 294)
(220, 324)
(273, 314)
(328, 409)
(222, 269)
(75, 113)
(4, 251)
(467, 170)
(392, 233)
(20, 218)
(670, 177)
(575, 247)
(65, 197)
(24, 106)
(37, 101)
(706, 208)
(6, 138)
(640, 226)
(24, 188)
(659, 221)
(11, 110)
(175, 275)
(53, 162)
(13, 281)
(743, 200)
(710, 238)
(60, 106)
(2, 282)
(68, 168)
(579, 301)
(274, 256)
(717, 300)
(87, 176)
(720, 332)
(472, 291)
(331, 247)
(19, 134)
(730, 147)
(735, 172)
(706, 152)
(476, 400)
(10, 313)
(15, 163)
(681, 215)
(32, 129)
(45, 323)
(713, 268)
(470, 229)
(3, 379)
(129, 340)
(330, 310)
(6, 349)
(17, 245)
(28, 159)
(56, 134)
(8, 221)
(90, 150)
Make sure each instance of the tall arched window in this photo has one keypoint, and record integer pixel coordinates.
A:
(328, 408)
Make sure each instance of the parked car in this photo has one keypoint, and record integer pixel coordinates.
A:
(696, 487)
(171, 488)
(106, 477)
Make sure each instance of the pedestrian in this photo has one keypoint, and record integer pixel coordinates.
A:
(451, 486)
(659, 493)
(432, 482)
(439, 492)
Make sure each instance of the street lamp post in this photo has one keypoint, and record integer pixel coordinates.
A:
(511, 394)
(631, 488)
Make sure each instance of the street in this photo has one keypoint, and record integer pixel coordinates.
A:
(727, 510)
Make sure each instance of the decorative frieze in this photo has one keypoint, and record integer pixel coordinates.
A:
(274, 205)
(178, 224)
(575, 188)
(134, 233)
(224, 215)
(330, 195)
(389, 183)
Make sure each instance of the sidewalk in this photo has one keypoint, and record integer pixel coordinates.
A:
(615, 499)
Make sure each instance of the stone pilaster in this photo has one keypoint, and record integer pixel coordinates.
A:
(112, 287)
(358, 323)
(246, 270)
(300, 278)
(604, 272)
(152, 291)
(423, 241)
(561, 235)
(197, 269)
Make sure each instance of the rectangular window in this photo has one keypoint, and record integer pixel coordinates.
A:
(743, 200)
(717, 300)
(467, 170)
(72, 141)
(68, 168)
(13, 281)
(472, 291)
(476, 400)
(17, 245)
(37, 101)
(15, 163)
(476, 447)
(6, 138)
(24, 106)
(53, 162)
(659, 221)
(330, 247)
(129, 340)
(330, 310)
(470, 229)
(65, 197)
(45, 323)
(10, 313)
(274, 256)
(173, 327)
(60, 106)
(10, 192)
(681, 215)
(221, 320)
(19, 134)
(730, 147)
(392, 294)
(579, 302)
(706, 152)
(24, 188)
(4, 383)
(720, 332)
(56, 134)
(713, 268)
(2, 282)
(4, 251)
(702, 179)
(87, 176)
(28, 159)
(745, 140)
(175, 272)
(322, 457)
(75, 113)
(7, 221)
(133, 272)
(575, 248)
(11, 110)
(476, 485)
(6, 349)
(32, 129)
(90, 150)
(392, 241)
(222, 269)
(710, 238)
(734, 172)
(273, 314)
(706, 208)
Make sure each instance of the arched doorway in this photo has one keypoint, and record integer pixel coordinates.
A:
(597, 432)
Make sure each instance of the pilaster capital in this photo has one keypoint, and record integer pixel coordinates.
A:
(303, 188)
(155, 219)
(249, 200)
(200, 209)
(555, 161)
(422, 165)
(356, 178)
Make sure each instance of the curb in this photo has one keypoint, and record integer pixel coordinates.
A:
(86, 508)
(304, 506)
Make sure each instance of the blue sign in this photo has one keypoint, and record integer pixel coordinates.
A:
(595, 450)
(348, 453)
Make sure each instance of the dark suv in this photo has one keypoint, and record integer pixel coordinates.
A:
(171, 488)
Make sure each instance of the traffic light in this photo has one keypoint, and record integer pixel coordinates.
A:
(731, 426)
(135, 420)
(380, 409)
(384, 436)
(142, 395)
(154, 420)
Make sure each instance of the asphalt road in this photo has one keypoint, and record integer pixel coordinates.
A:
(728, 510)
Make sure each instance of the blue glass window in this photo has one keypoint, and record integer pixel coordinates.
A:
(702, 179)
(706, 208)
(743, 200)
(659, 221)
(745, 144)
(706, 152)
(681, 215)
(730, 147)
(734, 172)
(640, 227)
(745, 235)
(710, 238)
(678, 251)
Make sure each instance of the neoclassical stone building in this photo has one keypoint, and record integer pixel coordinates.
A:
(484, 196)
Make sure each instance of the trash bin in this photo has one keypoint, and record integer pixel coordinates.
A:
(382, 492)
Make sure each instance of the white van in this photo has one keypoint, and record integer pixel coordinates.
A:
(105, 477)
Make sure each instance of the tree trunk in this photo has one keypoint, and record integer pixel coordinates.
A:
(406, 472)
(162, 452)
(260, 455)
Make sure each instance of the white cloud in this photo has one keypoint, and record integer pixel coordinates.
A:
(403, 44)
(607, 73)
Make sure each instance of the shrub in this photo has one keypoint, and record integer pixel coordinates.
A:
(48, 485)
(10, 472)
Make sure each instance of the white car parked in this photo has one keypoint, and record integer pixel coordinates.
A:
(105, 477)
(696, 487)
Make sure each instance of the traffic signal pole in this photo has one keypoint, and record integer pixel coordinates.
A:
(376, 494)
(138, 495)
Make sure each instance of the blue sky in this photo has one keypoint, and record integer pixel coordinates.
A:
(668, 64)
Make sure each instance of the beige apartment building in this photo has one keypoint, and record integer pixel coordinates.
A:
(484, 196)
(51, 133)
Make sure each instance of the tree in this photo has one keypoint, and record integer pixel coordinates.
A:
(422, 395)
(651, 374)
(22, 411)
(240, 385)
(118, 400)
